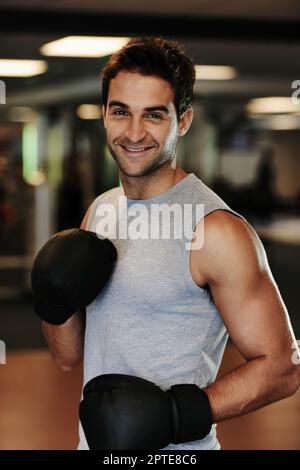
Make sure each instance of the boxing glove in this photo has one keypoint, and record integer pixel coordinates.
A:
(123, 412)
(68, 273)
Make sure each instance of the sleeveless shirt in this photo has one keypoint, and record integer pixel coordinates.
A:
(152, 320)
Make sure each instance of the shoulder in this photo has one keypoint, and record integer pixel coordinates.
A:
(106, 197)
(201, 193)
(231, 248)
(223, 224)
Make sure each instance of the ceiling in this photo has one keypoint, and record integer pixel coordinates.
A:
(267, 9)
(259, 37)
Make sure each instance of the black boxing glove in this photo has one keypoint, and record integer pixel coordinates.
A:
(123, 412)
(68, 273)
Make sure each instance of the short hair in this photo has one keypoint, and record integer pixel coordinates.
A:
(154, 56)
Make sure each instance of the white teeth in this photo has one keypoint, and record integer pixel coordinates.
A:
(135, 149)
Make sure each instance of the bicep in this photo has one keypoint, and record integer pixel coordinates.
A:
(255, 317)
(247, 296)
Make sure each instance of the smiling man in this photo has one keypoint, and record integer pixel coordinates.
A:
(142, 133)
(155, 337)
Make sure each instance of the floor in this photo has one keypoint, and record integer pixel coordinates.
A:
(39, 408)
(39, 403)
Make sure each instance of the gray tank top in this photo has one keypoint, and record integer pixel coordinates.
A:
(152, 320)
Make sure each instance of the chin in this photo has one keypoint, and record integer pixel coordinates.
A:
(133, 173)
(135, 170)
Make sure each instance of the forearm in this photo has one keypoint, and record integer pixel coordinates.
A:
(66, 341)
(249, 387)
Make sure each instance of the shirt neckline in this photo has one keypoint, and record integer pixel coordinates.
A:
(164, 195)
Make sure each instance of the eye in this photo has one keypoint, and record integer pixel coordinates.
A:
(120, 112)
(154, 116)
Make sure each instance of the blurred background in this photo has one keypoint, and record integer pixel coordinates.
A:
(244, 143)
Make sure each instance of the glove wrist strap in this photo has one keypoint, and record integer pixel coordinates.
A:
(192, 415)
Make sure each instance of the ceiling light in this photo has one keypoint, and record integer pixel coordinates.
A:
(284, 122)
(272, 104)
(83, 46)
(215, 72)
(89, 111)
(22, 68)
(276, 122)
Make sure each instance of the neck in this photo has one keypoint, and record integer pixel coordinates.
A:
(148, 186)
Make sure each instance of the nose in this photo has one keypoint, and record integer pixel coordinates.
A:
(135, 131)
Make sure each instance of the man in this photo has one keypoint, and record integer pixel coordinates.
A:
(167, 311)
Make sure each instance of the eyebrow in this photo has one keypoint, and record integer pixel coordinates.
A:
(162, 108)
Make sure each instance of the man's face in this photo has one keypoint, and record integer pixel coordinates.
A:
(141, 123)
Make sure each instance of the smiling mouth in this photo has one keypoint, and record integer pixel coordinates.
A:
(135, 150)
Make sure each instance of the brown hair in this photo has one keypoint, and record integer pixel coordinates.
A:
(154, 56)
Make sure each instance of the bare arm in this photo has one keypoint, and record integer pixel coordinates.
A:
(66, 341)
(248, 299)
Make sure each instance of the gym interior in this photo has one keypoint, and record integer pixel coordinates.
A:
(243, 143)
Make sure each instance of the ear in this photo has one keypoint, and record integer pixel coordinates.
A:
(185, 121)
(103, 115)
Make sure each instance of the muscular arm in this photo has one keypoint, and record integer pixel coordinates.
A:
(66, 341)
(235, 266)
